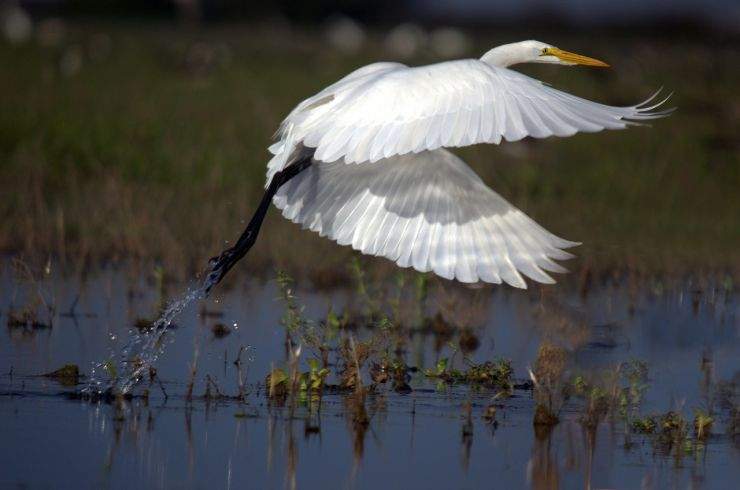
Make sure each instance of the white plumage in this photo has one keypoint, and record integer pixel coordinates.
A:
(427, 210)
(412, 201)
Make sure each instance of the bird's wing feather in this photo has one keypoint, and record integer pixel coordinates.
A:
(427, 210)
(390, 109)
(311, 111)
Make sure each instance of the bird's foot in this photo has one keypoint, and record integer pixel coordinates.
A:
(218, 267)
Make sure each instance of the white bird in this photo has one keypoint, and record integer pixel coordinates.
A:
(364, 162)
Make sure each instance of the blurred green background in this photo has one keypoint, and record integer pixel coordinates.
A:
(145, 138)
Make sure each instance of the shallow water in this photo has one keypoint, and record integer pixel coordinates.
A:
(688, 336)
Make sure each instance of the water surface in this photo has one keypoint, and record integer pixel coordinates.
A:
(687, 335)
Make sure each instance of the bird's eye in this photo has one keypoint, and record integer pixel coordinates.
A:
(544, 51)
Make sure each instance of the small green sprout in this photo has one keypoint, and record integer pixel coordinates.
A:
(316, 376)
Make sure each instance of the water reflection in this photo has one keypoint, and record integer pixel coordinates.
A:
(542, 468)
(205, 417)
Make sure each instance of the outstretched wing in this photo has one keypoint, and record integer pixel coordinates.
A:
(429, 211)
(310, 112)
(391, 109)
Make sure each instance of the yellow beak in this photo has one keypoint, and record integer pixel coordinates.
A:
(573, 58)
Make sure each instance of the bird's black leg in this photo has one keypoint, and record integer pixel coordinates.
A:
(220, 265)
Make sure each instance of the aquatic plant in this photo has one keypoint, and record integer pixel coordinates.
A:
(353, 355)
(277, 383)
(607, 392)
(489, 414)
(400, 376)
(550, 391)
(644, 425)
(28, 315)
(671, 433)
(240, 376)
(292, 318)
(544, 416)
(597, 406)
(635, 372)
(702, 424)
(302, 385)
(212, 390)
(493, 374)
(371, 306)
(322, 338)
(672, 424)
(315, 376)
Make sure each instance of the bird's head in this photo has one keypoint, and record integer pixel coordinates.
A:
(536, 52)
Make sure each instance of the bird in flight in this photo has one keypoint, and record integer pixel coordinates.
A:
(365, 163)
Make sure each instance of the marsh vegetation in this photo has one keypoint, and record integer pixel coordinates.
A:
(363, 372)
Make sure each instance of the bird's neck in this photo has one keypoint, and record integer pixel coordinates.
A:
(505, 55)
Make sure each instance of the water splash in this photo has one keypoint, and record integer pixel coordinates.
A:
(119, 376)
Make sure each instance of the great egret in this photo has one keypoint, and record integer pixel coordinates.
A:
(364, 163)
